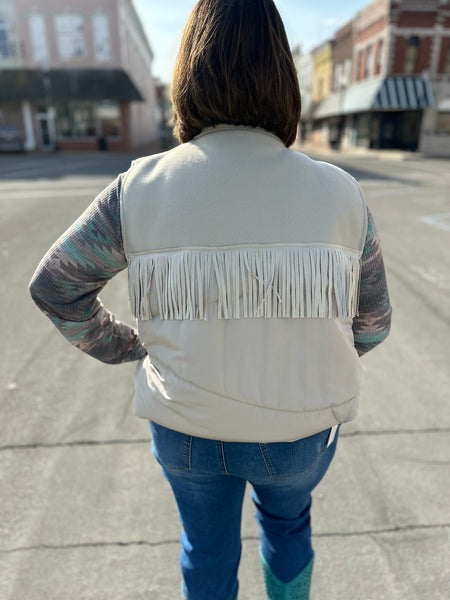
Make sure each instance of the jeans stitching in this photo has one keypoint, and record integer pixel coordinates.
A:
(266, 459)
(187, 444)
(221, 453)
(188, 451)
(311, 466)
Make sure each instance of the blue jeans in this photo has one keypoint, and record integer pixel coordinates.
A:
(208, 479)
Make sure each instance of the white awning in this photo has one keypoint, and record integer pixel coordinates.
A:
(444, 105)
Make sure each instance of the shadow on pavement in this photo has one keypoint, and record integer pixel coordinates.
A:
(370, 169)
(57, 166)
(60, 165)
(364, 174)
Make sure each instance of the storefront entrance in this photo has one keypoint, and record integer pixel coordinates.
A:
(396, 129)
(46, 130)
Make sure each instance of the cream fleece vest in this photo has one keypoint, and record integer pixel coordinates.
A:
(244, 265)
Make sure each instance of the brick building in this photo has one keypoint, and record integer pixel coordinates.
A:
(334, 128)
(76, 76)
(421, 44)
(398, 95)
(344, 43)
(372, 40)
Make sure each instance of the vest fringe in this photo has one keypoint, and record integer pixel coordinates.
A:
(296, 282)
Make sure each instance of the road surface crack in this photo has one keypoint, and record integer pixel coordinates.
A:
(119, 544)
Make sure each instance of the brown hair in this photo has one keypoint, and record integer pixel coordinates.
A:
(235, 67)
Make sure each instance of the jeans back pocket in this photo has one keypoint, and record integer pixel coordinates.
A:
(288, 459)
(172, 449)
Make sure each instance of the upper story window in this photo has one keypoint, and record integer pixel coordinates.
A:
(320, 89)
(412, 54)
(347, 70)
(368, 67)
(5, 42)
(359, 66)
(102, 40)
(70, 36)
(38, 36)
(447, 60)
(379, 57)
(342, 74)
(337, 77)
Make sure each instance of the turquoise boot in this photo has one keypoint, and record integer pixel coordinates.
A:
(296, 589)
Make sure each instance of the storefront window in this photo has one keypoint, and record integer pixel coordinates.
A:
(443, 123)
(108, 114)
(83, 118)
(63, 122)
(88, 119)
(362, 129)
(76, 119)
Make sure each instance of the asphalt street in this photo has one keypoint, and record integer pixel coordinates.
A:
(84, 510)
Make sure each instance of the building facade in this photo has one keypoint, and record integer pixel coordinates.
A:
(304, 64)
(76, 76)
(421, 32)
(338, 132)
(322, 71)
(343, 49)
(322, 82)
(398, 95)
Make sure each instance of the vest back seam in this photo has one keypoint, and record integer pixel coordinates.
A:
(255, 406)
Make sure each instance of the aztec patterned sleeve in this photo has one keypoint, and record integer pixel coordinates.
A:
(69, 278)
(373, 323)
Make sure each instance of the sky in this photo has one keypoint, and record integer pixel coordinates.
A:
(307, 23)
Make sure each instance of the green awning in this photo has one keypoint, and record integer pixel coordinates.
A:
(67, 84)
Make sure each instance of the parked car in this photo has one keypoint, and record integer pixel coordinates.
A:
(11, 139)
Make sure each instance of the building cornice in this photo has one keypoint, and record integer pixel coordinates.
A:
(420, 31)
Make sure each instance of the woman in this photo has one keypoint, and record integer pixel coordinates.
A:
(256, 277)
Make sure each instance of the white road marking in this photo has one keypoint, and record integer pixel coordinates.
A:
(46, 193)
(442, 220)
(431, 275)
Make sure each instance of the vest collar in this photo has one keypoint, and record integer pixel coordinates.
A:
(226, 127)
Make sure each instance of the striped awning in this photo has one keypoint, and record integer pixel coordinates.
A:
(404, 93)
(378, 93)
